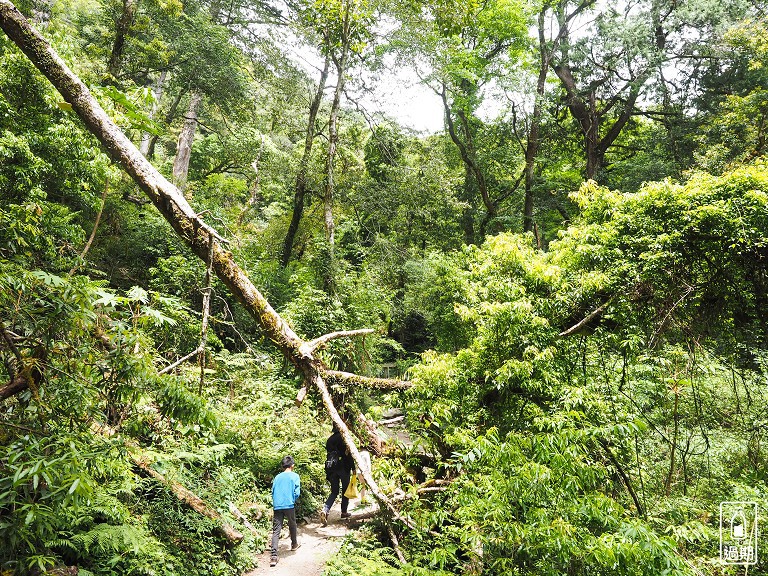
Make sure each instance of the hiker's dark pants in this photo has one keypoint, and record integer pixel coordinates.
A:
(338, 480)
(277, 526)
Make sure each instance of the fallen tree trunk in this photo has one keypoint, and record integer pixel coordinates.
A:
(179, 490)
(190, 499)
(199, 236)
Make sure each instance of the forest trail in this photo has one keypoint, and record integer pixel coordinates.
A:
(318, 544)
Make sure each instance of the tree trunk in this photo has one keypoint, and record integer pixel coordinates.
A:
(182, 218)
(122, 26)
(532, 147)
(186, 137)
(333, 140)
(168, 119)
(300, 189)
(157, 92)
(588, 116)
(472, 171)
(255, 192)
(340, 62)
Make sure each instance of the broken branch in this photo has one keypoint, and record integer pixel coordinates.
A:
(586, 320)
(179, 361)
(322, 340)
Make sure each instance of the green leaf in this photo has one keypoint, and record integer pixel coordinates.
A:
(74, 486)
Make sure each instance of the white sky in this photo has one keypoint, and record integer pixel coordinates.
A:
(399, 94)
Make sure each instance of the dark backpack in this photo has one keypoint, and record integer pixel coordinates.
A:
(332, 461)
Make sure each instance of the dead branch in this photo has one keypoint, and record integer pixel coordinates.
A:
(190, 499)
(240, 516)
(373, 441)
(93, 232)
(322, 340)
(349, 441)
(206, 314)
(178, 362)
(395, 544)
(390, 421)
(300, 396)
(586, 320)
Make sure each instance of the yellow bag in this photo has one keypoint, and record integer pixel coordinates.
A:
(351, 491)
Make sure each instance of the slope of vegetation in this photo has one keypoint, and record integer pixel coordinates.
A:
(574, 284)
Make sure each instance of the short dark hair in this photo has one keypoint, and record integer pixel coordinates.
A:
(287, 462)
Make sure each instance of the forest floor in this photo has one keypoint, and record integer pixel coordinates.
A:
(318, 544)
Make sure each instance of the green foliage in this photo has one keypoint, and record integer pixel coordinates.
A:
(586, 393)
(361, 555)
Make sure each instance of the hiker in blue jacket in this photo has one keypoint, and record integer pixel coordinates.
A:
(286, 488)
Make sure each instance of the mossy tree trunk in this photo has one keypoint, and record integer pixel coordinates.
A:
(203, 240)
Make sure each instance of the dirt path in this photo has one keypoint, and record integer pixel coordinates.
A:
(318, 544)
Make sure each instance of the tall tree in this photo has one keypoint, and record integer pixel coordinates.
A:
(186, 138)
(300, 185)
(534, 129)
(463, 47)
(604, 57)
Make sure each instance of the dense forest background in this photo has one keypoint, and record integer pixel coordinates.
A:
(568, 282)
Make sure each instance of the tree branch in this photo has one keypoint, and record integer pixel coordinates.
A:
(624, 477)
(586, 320)
(93, 232)
(178, 362)
(18, 384)
(322, 340)
(339, 377)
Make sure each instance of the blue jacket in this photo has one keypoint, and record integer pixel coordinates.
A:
(286, 487)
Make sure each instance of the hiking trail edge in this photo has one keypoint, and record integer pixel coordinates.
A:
(318, 544)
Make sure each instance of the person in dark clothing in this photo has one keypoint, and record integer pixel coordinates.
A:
(338, 466)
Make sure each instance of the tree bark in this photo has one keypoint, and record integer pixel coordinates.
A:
(186, 137)
(300, 188)
(182, 218)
